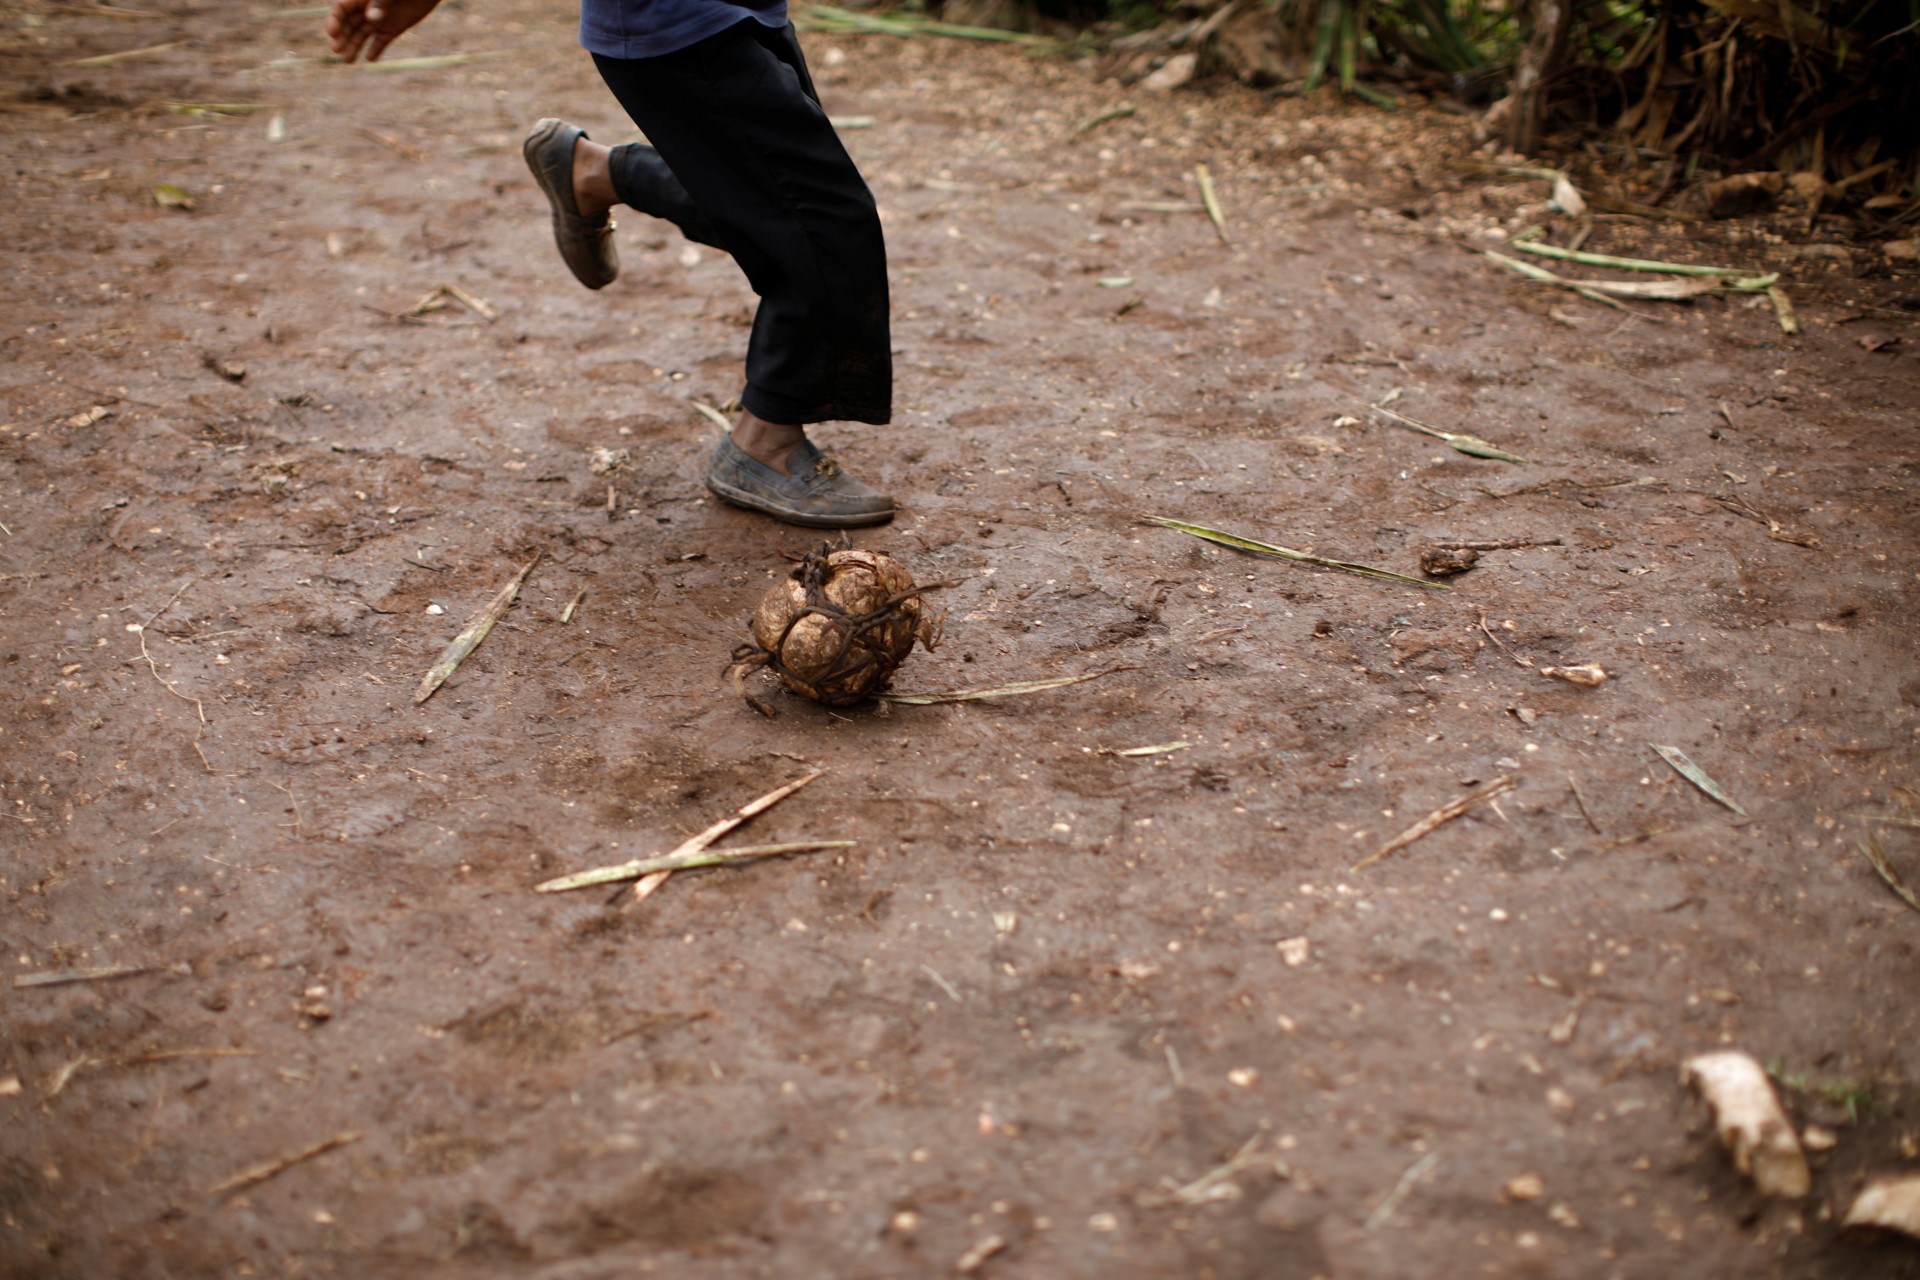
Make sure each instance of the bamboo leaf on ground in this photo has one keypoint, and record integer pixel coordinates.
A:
(1474, 446)
(1272, 551)
(1204, 176)
(1876, 855)
(1696, 775)
(476, 631)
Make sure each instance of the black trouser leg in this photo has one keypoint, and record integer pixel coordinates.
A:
(744, 159)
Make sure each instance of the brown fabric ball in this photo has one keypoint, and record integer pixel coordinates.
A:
(837, 627)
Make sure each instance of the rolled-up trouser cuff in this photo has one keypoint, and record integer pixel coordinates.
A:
(797, 412)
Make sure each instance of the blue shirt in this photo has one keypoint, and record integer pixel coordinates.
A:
(649, 28)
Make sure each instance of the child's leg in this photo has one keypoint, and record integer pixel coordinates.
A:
(734, 120)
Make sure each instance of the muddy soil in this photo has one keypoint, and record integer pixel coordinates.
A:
(1052, 983)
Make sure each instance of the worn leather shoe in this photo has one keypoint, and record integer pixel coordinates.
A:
(585, 243)
(817, 493)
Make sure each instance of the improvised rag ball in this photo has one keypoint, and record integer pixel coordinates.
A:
(837, 627)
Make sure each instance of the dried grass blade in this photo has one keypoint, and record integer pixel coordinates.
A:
(1459, 442)
(1545, 250)
(1874, 854)
(125, 55)
(1204, 176)
(711, 414)
(1108, 116)
(479, 306)
(1658, 290)
(998, 691)
(1268, 549)
(269, 1168)
(1545, 276)
(1162, 749)
(467, 641)
(438, 61)
(1439, 817)
(1696, 775)
(1783, 309)
(62, 977)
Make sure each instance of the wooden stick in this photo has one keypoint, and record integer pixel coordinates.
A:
(257, 1173)
(1581, 800)
(693, 845)
(1518, 660)
(1439, 817)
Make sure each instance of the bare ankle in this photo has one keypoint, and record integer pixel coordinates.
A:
(768, 443)
(593, 191)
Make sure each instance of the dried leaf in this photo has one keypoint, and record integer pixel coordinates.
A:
(1460, 443)
(1697, 776)
(469, 640)
(1877, 856)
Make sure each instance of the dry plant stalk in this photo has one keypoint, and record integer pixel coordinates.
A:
(1439, 817)
(693, 845)
(468, 640)
(1749, 1121)
(252, 1174)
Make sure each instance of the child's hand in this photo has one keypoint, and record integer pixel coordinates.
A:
(372, 25)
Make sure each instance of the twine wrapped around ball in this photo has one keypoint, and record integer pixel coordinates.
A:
(837, 627)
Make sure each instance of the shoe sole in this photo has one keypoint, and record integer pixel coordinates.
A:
(542, 134)
(741, 498)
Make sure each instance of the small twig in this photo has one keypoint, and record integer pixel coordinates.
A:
(1518, 660)
(64, 1076)
(1111, 114)
(1444, 814)
(693, 845)
(1380, 1216)
(1217, 1183)
(941, 983)
(1578, 798)
(566, 615)
(298, 826)
(712, 414)
(479, 306)
(258, 1173)
(61, 977)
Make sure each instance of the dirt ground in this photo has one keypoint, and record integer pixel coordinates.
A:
(1050, 983)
